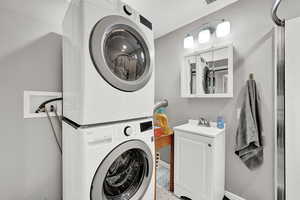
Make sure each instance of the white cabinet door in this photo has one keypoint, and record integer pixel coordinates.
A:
(292, 104)
(193, 170)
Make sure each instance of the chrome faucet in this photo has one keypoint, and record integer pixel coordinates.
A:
(203, 122)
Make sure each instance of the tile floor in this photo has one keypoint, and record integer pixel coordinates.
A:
(163, 194)
(162, 176)
(162, 180)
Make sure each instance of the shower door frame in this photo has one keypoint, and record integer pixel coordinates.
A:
(280, 165)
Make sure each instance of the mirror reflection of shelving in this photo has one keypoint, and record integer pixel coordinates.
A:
(208, 73)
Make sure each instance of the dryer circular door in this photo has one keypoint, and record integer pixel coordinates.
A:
(125, 174)
(121, 53)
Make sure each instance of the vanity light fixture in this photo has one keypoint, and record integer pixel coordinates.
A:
(188, 42)
(204, 36)
(223, 29)
(216, 29)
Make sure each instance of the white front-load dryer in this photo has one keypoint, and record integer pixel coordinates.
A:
(108, 63)
(109, 162)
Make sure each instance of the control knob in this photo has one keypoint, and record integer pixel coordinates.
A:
(128, 130)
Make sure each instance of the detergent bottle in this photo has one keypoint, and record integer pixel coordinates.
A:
(161, 120)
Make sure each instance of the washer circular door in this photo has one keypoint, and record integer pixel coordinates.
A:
(125, 174)
(120, 53)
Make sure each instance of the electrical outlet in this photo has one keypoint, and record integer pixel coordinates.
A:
(51, 107)
(32, 100)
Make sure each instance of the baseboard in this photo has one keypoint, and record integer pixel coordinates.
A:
(232, 196)
(164, 164)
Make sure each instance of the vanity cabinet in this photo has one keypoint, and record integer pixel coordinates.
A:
(199, 162)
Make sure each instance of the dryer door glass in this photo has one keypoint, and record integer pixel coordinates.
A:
(125, 174)
(125, 54)
(121, 54)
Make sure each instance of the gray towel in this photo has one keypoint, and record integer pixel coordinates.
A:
(249, 140)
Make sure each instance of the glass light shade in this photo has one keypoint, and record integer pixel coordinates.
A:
(188, 42)
(223, 29)
(204, 36)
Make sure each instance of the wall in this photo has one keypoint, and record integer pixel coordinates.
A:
(253, 38)
(30, 59)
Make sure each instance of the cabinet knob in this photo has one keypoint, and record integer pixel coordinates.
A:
(209, 145)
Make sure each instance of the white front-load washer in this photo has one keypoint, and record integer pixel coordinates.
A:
(109, 162)
(108, 63)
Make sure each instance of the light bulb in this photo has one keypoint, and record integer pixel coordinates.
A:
(204, 36)
(223, 29)
(188, 42)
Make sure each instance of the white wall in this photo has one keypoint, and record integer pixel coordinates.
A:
(30, 59)
(253, 38)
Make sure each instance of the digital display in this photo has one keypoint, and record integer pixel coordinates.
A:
(146, 22)
(146, 126)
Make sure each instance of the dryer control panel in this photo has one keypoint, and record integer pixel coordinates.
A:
(128, 131)
(145, 22)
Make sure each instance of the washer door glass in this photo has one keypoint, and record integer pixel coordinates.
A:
(120, 53)
(125, 174)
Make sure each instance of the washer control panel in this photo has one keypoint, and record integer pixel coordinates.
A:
(134, 129)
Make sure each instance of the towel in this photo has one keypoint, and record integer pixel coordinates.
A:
(125, 67)
(249, 139)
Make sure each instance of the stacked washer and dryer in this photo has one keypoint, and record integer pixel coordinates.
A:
(108, 84)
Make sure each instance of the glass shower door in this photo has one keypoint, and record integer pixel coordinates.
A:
(292, 109)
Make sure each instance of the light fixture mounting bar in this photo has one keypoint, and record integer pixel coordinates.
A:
(210, 1)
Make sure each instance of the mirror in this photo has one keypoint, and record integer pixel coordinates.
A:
(208, 73)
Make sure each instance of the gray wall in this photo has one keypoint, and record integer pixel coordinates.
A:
(253, 37)
(30, 59)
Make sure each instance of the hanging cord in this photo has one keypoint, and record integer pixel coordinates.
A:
(59, 119)
(52, 127)
(43, 105)
(43, 108)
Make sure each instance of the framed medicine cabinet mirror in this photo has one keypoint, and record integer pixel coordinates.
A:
(208, 73)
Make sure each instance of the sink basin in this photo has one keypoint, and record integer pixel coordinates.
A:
(212, 131)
